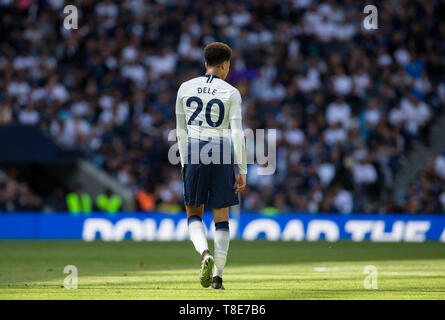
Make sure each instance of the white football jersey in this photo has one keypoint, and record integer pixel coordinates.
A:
(205, 106)
(209, 104)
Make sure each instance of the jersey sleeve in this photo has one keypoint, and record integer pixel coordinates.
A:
(235, 118)
(181, 128)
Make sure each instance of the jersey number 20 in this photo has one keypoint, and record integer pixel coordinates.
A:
(208, 111)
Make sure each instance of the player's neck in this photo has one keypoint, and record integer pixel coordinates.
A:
(212, 71)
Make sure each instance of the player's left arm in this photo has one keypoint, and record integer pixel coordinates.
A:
(181, 128)
(239, 145)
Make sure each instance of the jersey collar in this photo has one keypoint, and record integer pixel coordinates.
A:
(210, 77)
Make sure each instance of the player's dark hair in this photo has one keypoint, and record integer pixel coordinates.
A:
(216, 53)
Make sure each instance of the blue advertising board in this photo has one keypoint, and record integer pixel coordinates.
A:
(249, 226)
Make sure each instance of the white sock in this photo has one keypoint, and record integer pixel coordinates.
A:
(197, 234)
(222, 240)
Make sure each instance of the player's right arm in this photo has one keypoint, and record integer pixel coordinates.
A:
(181, 128)
(239, 146)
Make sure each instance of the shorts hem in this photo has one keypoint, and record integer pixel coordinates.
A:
(224, 205)
(218, 206)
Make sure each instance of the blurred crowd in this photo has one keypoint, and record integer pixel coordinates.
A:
(347, 102)
(427, 192)
(16, 194)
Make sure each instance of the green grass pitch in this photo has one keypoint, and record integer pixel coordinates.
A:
(255, 270)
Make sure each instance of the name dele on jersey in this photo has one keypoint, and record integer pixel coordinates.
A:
(207, 90)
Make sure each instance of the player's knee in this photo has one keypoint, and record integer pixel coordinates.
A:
(194, 211)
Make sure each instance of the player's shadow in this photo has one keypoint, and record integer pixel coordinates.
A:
(285, 252)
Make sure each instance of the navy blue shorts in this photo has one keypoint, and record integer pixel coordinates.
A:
(209, 184)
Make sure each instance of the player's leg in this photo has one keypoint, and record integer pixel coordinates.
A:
(198, 237)
(196, 185)
(196, 228)
(222, 240)
(196, 189)
(222, 196)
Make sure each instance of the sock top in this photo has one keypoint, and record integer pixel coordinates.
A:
(193, 218)
(223, 225)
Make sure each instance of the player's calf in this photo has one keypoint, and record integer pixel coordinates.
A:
(222, 240)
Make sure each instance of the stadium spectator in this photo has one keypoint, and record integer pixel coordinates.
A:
(16, 195)
(427, 192)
